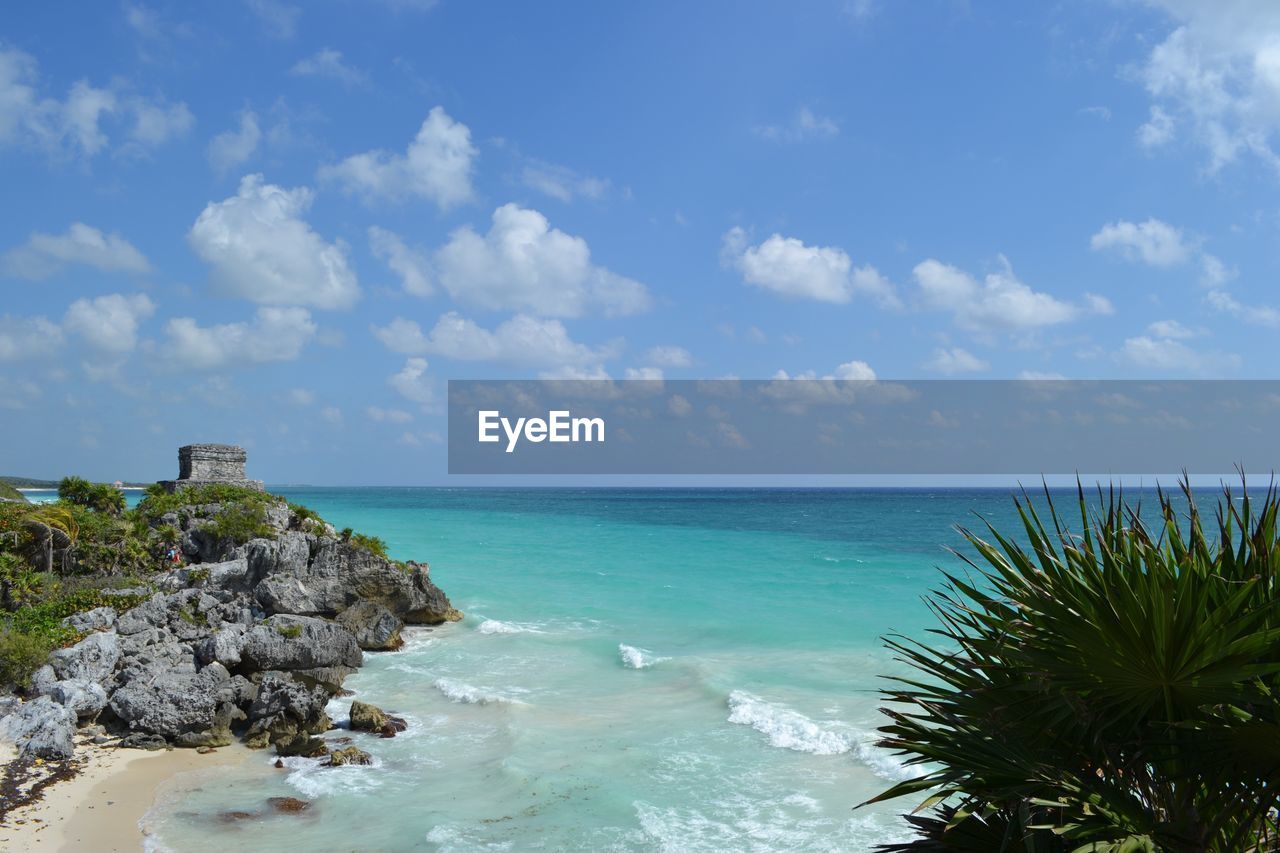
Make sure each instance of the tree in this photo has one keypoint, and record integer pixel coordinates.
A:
(100, 497)
(1111, 689)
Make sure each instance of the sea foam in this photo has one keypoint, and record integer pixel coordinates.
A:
(785, 728)
(636, 658)
(493, 626)
(467, 694)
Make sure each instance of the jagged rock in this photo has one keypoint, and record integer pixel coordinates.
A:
(92, 659)
(393, 727)
(41, 728)
(42, 681)
(284, 708)
(231, 575)
(143, 740)
(341, 573)
(304, 745)
(371, 718)
(98, 619)
(224, 646)
(188, 709)
(349, 755)
(328, 677)
(299, 642)
(375, 627)
(85, 698)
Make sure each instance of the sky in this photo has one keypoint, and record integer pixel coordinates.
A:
(287, 225)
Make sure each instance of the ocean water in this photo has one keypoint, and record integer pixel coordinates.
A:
(638, 670)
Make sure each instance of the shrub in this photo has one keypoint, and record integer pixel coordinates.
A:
(99, 497)
(21, 655)
(1112, 688)
(291, 631)
(241, 522)
(158, 501)
(9, 493)
(372, 544)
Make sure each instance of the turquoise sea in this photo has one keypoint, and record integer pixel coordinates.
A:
(655, 669)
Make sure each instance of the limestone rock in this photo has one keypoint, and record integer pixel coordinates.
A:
(187, 709)
(284, 708)
(375, 627)
(92, 659)
(41, 728)
(349, 755)
(299, 642)
(84, 698)
(98, 619)
(371, 718)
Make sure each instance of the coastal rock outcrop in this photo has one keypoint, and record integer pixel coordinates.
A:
(253, 636)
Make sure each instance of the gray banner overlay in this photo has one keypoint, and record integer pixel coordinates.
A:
(819, 426)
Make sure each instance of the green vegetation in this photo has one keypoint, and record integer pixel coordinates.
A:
(101, 497)
(290, 631)
(1111, 688)
(372, 544)
(9, 493)
(158, 501)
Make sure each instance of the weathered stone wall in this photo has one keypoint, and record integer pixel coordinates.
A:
(202, 464)
(211, 462)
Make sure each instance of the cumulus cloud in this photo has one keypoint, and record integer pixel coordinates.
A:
(279, 18)
(261, 249)
(561, 182)
(411, 265)
(1154, 243)
(28, 337)
(274, 335)
(328, 62)
(999, 302)
(955, 360)
(412, 382)
(231, 148)
(850, 370)
(787, 266)
(804, 126)
(109, 323)
(522, 341)
(78, 123)
(437, 166)
(1171, 329)
(44, 255)
(523, 264)
(1256, 315)
(1215, 79)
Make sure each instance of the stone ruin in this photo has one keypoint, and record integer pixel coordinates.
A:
(204, 464)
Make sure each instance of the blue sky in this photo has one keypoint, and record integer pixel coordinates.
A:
(286, 225)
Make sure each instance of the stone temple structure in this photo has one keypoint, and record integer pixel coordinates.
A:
(203, 464)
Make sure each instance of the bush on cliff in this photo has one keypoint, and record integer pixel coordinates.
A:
(1112, 688)
(9, 493)
(100, 497)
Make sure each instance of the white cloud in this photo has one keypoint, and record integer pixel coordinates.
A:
(1171, 329)
(301, 396)
(1039, 376)
(561, 182)
(411, 265)
(261, 249)
(523, 264)
(275, 334)
(412, 382)
(858, 370)
(647, 374)
(109, 323)
(523, 341)
(44, 255)
(1154, 243)
(788, 267)
(999, 302)
(668, 356)
(157, 122)
(331, 415)
(328, 62)
(392, 416)
(27, 337)
(1157, 130)
(1213, 272)
(280, 18)
(804, 126)
(679, 406)
(1218, 75)
(75, 125)
(955, 360)
(1257, 315)
(437, 166)
(1169, 355)
(233, 147)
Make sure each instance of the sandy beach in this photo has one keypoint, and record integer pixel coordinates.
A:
(100, 807)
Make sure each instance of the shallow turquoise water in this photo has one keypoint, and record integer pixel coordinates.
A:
(638, 670)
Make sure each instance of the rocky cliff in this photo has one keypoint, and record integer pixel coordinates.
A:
(272, 610)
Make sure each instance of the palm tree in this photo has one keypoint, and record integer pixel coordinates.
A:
(1107, 689)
